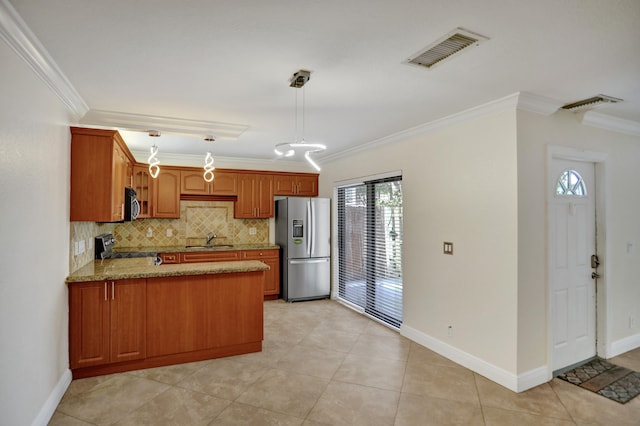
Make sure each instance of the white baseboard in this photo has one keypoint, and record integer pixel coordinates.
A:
(624, 345)
(516, 383)
(49, 407)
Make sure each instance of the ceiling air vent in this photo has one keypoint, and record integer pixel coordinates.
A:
(446, 47)
(591, 103)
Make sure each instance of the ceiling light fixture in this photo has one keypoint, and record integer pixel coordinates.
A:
(288, 149)
(208, 167)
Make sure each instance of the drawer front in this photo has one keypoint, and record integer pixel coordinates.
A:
(170, 258)
(260, 254)
(209, 256)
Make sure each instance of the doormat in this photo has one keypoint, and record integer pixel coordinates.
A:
(609, 380)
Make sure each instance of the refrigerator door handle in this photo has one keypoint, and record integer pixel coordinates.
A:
(313, 228)
(309, 229)
(299, 262)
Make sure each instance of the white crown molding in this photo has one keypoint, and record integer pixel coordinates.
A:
(129, 121)
(21, 39)
(538, 104)
(608, 122)
(193, 160)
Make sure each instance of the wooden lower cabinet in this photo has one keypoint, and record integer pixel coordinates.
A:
(107, 322)
(177, 314)
(270, 258)
(132, 324)
(199, 312)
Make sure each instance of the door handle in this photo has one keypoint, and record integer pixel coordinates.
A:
(304, 262)
(595, 275)
(595, 261)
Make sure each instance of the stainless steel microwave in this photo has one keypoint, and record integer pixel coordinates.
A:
(131, 205)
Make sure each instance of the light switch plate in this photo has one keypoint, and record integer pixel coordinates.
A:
(447, 247)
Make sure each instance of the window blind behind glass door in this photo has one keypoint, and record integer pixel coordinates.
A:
(370, 248)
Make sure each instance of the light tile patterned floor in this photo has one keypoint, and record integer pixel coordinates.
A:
(323, 364)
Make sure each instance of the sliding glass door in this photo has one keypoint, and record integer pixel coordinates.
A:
(370, 247)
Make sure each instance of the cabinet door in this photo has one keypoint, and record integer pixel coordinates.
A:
(193, 183)
(166, 194)
(307, 186)
(272, 276)
(128, 319)
(264, 196)
(142, 183)
(88, 324)
(119, 176)
(283, 185)
(176, 314)
(245, 205)
(224, 183)
(235, 309)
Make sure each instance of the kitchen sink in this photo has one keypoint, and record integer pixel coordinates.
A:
(210, 246)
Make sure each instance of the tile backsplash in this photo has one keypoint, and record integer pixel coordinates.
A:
(197, 219)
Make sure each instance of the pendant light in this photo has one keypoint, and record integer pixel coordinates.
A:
(288, 149)
(208, 167)
(208, 161)
(154, 168)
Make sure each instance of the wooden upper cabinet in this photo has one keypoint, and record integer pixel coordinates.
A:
(255, 196)
(100, 170)
(166, 194)
(192, 183)
(143, 185)
(224, 183)
(292, 184)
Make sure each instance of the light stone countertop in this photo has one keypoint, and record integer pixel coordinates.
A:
(144, 267)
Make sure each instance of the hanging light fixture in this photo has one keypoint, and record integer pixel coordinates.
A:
(154, 168)
(208, 167)
(288, 149)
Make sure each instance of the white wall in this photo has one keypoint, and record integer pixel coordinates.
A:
(621, 283)
(34, 229)
(459, 185)
(481, 184)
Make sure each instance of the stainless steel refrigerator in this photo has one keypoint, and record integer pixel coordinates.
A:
(303, 233)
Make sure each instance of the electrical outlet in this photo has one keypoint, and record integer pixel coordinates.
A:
(252, 231)
(169, 232)
(632, 321)
(76, 248)
(149, 232)
(80, 246)
(450, 331)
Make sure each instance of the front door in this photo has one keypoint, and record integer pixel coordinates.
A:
(573, 242)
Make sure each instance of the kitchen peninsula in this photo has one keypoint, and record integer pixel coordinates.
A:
(129, 314)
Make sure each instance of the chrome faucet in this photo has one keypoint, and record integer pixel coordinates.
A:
(210, 237)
